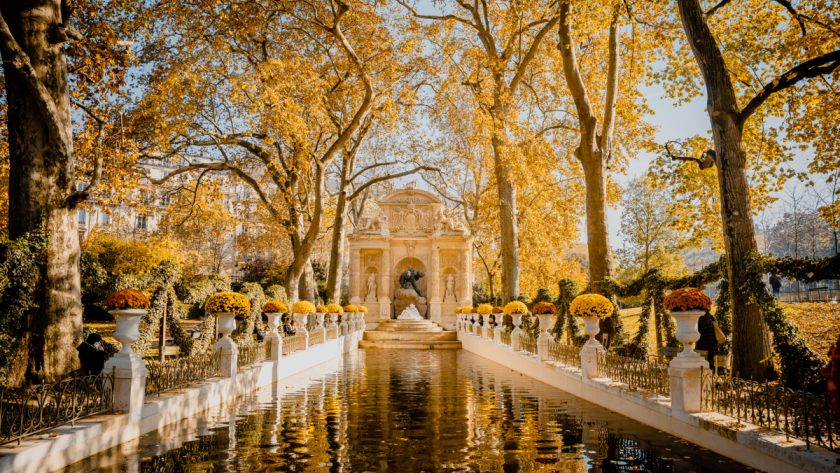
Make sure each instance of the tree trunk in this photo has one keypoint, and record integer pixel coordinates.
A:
(507, 215)
(41, 178)
(337, 250)
(596, 219)
(751, 351)
(308, 286)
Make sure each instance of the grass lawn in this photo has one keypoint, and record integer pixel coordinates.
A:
(818, 323)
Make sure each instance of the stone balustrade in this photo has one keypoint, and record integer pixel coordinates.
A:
(668, 397)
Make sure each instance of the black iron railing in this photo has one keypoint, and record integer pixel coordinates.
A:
(506, 337)
(253, 352)
(293, 343)
(794, 413)
(181, 372)
(637, 374)
(38, 408)
(528, 343)
(568, 355)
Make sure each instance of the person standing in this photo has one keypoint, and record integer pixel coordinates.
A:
(708, 341)
(775, 284)
(92, 354)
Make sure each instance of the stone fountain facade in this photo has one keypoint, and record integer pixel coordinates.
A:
(410, 229)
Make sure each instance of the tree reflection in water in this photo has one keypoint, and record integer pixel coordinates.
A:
(410, 411)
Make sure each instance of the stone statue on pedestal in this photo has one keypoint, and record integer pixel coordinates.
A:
(370, 295)
(409, 293)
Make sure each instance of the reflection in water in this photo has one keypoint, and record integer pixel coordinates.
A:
(412, 411)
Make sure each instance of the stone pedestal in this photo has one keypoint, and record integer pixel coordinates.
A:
(517, 331)
(129, 383)
(129, 369)
(229, 354)
(546, 323)
(685, 373)
(589, 358)
(275, 342)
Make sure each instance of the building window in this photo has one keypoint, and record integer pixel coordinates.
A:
(104, 218)
(140, 224)
(82, 217)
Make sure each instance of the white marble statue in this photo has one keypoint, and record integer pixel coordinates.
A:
(450, 287)
(410, 313)
(371, 287)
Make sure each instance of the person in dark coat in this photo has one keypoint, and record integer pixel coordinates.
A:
(91, 354)
(775, 284)
(708, 341)
(288, 325)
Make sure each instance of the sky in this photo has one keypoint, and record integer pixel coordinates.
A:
(676, 123)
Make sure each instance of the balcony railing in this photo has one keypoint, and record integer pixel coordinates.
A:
(794, 413)
(636, 373)
(181, 372)
(293, 343)
(568, 355)
(38, 408)
(528, 343)
(253, 352)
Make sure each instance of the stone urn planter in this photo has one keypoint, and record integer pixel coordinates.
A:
(274, 321)
(686, 331)
(300, 321)
(128, 327)
(591, 327)
(226, 323)
(546, 323)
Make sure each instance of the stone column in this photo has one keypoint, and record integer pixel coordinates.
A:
(465, 291)
(434, 286)
(385, 285)
(355, 274)
(685, 372)
(468, 271)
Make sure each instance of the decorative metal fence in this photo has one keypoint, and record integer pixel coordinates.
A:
(528, 342)
(181, 372)
(568, 355)
(35, 409)
(795, 413)
(251, 353)
(636, 373)
(506, 337)
(293, 343)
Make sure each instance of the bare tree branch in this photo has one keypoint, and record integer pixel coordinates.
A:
(705, 161)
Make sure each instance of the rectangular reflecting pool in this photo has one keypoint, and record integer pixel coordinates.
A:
(410, 411)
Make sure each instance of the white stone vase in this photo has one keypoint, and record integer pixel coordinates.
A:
(546, 322)
(319, 318)
(226, 323)
(300, 321)
(273, 321)
(687, 332)
(128, 327)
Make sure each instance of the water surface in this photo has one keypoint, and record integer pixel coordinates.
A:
(410, 411)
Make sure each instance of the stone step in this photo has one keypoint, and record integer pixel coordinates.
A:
(419, 336)
(433, 328)
(411, 344)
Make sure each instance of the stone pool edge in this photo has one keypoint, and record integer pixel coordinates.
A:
(69, 444)
(749, 446)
